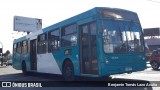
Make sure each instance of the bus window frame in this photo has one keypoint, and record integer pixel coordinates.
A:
(14, 48)
(127, 41)
(63, 35)
(49, 40)
(25, 51)
(19, 48)
(39, 42)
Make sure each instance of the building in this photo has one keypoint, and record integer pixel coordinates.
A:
(152, 38)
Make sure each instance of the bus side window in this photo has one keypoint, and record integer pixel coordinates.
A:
(42, 44)
(69, 37)
(54, 40)
(14, 48)
(19, 48)
(24, 47)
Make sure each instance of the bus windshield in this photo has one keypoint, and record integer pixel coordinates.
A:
(122, 36)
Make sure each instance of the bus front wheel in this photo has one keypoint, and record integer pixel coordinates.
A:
(68, 71)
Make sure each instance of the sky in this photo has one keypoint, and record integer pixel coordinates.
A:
(53, 11)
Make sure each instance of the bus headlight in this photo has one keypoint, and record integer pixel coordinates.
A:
(143, 58)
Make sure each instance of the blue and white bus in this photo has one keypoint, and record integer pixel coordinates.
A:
(97, 43)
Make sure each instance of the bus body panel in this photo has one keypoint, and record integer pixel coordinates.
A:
(16, 61)
(46, 63)
(117, 64)
(17, 57)
(52, 62)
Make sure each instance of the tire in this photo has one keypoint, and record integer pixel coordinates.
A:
(155, 65)
(24, 70)
(68, 71)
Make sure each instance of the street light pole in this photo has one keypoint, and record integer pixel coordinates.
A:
(1, 54)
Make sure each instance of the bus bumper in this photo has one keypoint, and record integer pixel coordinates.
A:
(107, 70)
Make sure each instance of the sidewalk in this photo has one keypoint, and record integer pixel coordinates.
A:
(3, 66)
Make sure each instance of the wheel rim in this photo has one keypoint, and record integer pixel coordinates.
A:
(68, 72)
(154, 65)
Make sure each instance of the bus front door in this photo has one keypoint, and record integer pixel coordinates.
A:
(88, 49)
(33, 55)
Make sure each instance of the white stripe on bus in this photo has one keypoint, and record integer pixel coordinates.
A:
(46, 63)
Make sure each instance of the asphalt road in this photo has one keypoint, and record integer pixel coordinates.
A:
(7, 73)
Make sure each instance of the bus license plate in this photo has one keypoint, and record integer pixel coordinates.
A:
(128, 69)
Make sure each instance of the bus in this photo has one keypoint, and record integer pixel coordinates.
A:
(96, 43)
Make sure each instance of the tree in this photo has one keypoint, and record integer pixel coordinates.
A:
(7, 52)
(7, 56)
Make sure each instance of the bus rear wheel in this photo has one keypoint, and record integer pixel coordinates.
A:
(24, 70)
(68, 71)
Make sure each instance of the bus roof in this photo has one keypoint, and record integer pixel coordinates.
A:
(92, 12)
(83, 15)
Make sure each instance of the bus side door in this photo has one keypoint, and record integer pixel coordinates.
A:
(88, 49)
(33, 54)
